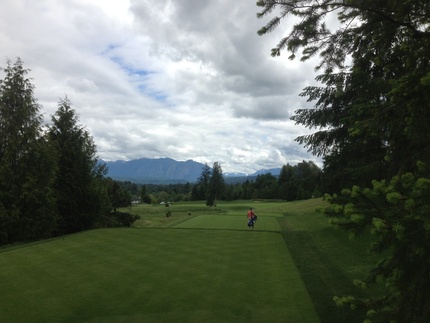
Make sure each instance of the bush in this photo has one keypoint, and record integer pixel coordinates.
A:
(118, 219)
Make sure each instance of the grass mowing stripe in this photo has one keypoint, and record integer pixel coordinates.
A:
(164, 275)
(328, 262)
(323, 280)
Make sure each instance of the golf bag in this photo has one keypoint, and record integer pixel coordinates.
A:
(252, 221)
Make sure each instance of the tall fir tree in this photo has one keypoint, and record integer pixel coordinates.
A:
(286, 183)
(201, 190)
(81, 193)
(144, 196)
(216, 185)
(27, 162)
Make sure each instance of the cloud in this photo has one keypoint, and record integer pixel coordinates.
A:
(181, 79)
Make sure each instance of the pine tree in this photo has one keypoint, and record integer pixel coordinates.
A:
(118, 196)
(27, 162)
(81, 193)
(372, 116)
(216, 185)
(372, 111)
(202, 188)
(397, 211)
(144, 196)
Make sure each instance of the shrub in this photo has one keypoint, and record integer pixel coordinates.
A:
(118, 219)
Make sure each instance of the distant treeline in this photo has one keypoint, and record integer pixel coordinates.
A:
(301, 181)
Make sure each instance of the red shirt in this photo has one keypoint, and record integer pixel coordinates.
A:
(250, 214)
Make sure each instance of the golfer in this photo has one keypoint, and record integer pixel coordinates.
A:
(251, 218)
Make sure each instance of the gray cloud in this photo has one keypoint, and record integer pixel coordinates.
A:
(181, 79)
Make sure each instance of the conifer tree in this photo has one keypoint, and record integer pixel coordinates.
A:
(202, 188)
(118, 196)
(27, 162)
(287, 187)
(216, 184)
(144, 196)
(81, 192)
(372, 116)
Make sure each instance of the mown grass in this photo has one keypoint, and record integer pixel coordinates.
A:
(200, 264)
(208, 270)
(329, 260)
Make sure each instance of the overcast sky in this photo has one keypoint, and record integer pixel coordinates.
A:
(185, 79)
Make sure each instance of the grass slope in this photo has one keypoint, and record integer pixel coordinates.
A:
(199, 265)
(156, 275)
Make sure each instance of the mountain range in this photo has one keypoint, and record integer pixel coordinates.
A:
(168, 171)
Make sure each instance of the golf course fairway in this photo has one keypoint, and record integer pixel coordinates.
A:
(199, 267)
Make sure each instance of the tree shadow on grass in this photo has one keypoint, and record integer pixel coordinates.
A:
(322, 278)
